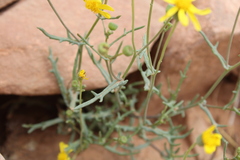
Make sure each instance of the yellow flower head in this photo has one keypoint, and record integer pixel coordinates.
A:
(63, 155)
(181, 7)
(82, 74)
(211, 140)
(96, 6)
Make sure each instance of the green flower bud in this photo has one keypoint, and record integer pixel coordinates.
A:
(75, 84)
(128, 50)
(123, 139)
(103, 48)
(112, 26)
(69, 112)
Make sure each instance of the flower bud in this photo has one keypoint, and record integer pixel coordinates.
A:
(123, 139)
(69, 112)
(128, 50)
(103, 48)
(75, 84)
(112, 26)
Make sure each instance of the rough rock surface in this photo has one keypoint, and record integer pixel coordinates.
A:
(24, 64)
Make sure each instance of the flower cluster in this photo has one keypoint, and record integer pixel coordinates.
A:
(96, 6)
(82, 74)
(211, 140)
(63, 155)
(183, 7)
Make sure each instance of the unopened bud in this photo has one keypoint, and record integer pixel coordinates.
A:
(103, 48)
(128, 50)
(69, 112)
(123, 139)
(112, 26)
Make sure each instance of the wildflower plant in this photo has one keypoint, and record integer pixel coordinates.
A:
(112, 117)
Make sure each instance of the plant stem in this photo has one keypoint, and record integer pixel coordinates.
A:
(153, 77)
(80, 48)
(133, 31)
(80, 113)
(188, 151)
(213, 87)
(50, 3)
(91, 29)
(143, 48)
(148, 29)
(158, 49)
(231, 37)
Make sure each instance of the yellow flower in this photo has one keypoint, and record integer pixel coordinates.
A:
(96, 6)
(211, 140)
(82, 74)
(181, 7)
(63, 155)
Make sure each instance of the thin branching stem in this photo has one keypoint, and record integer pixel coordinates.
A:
(231, 37)
(60, 19)
(153, 77)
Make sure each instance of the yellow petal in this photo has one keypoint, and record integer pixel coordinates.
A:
(209, 149)
(106, 7)
(183, 17)
(217, 139)
(197, 26)
(195, 10)
(105, 14)
(169, 13)
(210, 129)
(62, 146)
(170, 1)
(63, 156)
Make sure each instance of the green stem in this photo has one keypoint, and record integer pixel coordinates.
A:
(109, 70)
(80, 57)
(219, 80)
(213, 86)
(143, 48)
(133, 44)
(158, 49)
(153, 77)
(80, 113)
(166, 44)
(50, 3)
(116, 93)
(91, 29)
(231, 37)
(188, 151)
(148, 29)
(133, 32)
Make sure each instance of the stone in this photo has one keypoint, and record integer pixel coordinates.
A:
(1, 157)
(24, 64)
